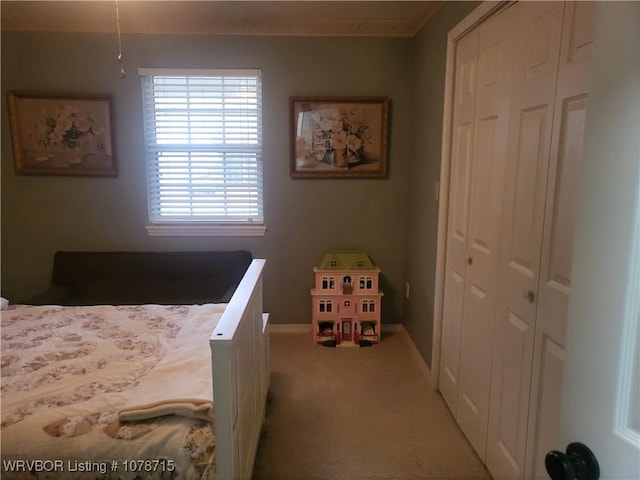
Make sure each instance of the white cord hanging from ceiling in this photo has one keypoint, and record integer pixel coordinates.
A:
(120, 57)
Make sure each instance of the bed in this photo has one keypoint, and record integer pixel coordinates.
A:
(128, 391)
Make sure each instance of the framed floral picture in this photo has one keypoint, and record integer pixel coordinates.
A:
(62, 134)
(339, 136)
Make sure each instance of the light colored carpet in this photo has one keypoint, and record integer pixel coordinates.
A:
(357, 413)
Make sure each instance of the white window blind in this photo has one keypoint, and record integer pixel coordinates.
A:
(203, 135)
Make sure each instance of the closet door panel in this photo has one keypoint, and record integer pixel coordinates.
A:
(479, 298)
(461, 176)
(532, 105)
(485, 219)
(529, 182)
(487, 180)
(511, 431)
(451, 334)
(564, 183)
(539, 29)
(578, 45)
(457, 225)
(558, 238)
(545, 402)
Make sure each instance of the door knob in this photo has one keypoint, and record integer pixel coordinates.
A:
(530, 296)
(579, 463)
(468, 259)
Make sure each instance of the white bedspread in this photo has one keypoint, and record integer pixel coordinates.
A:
(181, 383)
(72, 375)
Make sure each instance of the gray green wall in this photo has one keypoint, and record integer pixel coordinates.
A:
(393, 219)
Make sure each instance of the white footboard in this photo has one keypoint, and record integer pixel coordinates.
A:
(240, 357)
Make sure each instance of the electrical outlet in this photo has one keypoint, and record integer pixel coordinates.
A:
(406, 290)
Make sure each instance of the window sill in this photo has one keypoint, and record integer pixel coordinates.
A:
(176, 230)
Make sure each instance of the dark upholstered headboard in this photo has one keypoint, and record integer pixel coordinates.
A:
(133, 278)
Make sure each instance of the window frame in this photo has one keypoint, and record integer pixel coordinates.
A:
(185, 226)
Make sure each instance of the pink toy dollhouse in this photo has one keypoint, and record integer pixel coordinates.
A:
(346, 300)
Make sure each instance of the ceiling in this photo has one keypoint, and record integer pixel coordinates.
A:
(262, 17)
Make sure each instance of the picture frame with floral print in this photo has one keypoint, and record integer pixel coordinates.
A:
(62, 134)
(338, 137)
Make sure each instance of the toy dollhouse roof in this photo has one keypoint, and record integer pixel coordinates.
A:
(346, 261)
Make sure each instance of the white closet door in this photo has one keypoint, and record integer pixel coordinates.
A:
(601, 388)
(539, 26)
(493, 89)
(457, 228)
(557, 250)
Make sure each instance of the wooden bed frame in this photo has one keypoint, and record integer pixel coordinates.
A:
(240, 358)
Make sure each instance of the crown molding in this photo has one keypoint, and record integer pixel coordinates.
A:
(200, 22)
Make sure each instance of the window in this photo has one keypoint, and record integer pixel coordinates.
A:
(328, 283)
(368, 306)
(326, 306)
(203, 141)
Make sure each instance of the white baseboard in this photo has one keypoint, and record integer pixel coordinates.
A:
(305, 328)
(422, 365)
(290, 328)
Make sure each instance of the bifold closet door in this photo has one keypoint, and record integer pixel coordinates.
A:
(558, 237)
(477, 174)
(464, 101)
(538, 47)
(542, 178)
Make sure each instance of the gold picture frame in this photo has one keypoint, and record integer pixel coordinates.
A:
(62, 134)
(339, 137)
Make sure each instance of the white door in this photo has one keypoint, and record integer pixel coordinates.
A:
(539, 28)
(464, 100)
(559, 234)
(491, 120)
(478, 155)
(600, 405)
